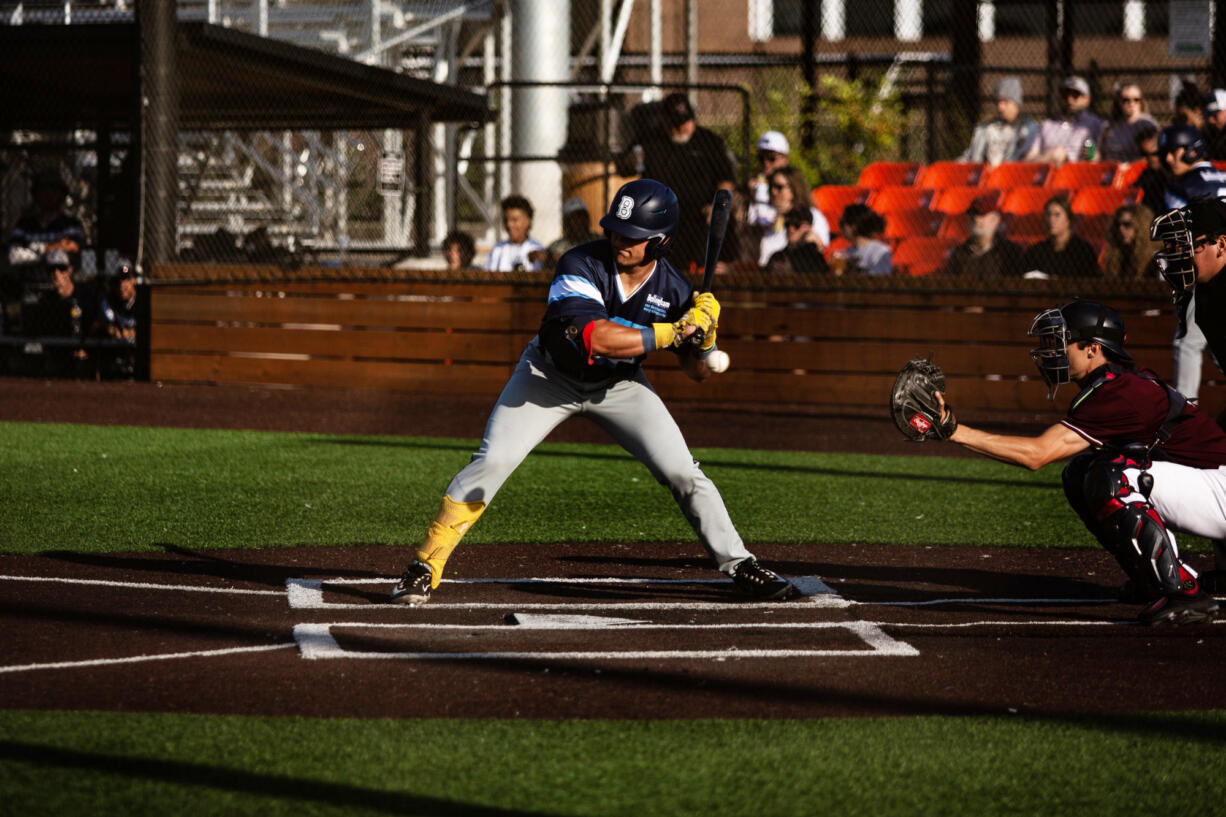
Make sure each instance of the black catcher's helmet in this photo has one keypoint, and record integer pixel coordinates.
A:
(1073, 323)
(1183, 136)
(644, 209)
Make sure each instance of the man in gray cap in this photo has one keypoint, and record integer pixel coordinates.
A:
(1075, 134)
(1007, 137)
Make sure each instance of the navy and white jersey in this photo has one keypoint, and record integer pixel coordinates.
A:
(1202, 181)
(585, 289)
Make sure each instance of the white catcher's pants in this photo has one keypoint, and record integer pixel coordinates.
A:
(1192, 500)
(538, 398)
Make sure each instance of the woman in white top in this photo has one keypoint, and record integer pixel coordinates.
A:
(788, 189)
(518, 251)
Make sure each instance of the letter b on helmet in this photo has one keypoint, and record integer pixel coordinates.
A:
(644, 209)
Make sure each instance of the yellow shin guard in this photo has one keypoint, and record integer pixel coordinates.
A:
(449, 526)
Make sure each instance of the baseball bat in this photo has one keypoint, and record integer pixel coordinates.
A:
(721, 210)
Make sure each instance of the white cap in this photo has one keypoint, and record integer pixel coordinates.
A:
(1215, 101)
(774, 140)
(573, 205)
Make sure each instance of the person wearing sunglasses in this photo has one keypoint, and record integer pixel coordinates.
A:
(1154, 177)
(1064, 138)
(1128, 117)
(1129, 250)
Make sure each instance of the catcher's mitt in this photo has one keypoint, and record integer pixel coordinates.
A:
(913, 403)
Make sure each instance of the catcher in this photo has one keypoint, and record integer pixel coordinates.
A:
(1145, 461)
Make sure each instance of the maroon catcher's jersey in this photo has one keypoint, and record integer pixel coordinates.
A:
(1120, 407)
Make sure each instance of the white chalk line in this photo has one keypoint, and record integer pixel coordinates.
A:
(190, 588)
(136, 659)
(316, 642)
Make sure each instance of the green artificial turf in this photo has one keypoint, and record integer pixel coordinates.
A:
(111, 488)
(151, 764)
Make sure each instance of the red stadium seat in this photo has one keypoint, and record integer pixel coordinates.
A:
(940, 175)
(888, 174)
(955, 200)
(922, 255)
(1220, 164)
(1028, 199)
(1008, 175)
(836, 244)
(1094, 229)
(915, 221)
(1091, 201)
(955, 226)
(1076, 175)
(831, 199)
(891, 199)
(1026, 228)
(1128, 173)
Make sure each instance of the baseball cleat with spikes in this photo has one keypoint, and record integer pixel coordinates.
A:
(760, 582)
(414, 586)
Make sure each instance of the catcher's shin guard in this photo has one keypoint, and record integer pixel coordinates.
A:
(1123, 520)
(449, 526)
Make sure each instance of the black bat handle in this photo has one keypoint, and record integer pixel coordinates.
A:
(721, 211)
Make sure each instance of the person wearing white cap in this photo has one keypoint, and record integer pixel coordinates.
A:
(1215, 124)
(576, 230)
(1008, 136)
(1066, 138)
(773, 151)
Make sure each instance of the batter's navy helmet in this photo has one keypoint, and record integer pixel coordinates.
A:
(644, 209)
(1079, 321)
(1185, 136)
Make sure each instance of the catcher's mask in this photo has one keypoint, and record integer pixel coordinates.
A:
(1079, 321)
(1174, 260)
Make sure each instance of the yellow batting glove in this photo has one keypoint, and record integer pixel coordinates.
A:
(708, 343)
(667, 334)
(697, 317)
(707, 303)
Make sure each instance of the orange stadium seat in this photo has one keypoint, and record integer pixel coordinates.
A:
(940, 175)
(891, 199)
(955, 200)
(1008, 175)
(1095, 200)
(1094, 229)
(837, 243)
(1128, 173)
(955, 226)
(922, 254)
(914, 221)
(888, 174)
(1028, 199)
(1076, 175)
(1026, 228)
(831, 199)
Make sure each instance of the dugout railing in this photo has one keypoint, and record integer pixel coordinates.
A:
(833, 347)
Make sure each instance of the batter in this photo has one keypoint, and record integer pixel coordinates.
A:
(611, 303)
(1156, 463)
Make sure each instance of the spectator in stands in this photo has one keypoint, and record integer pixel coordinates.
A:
(1007, 137)
(1189, 106)
(1067, 138)
(576, 230)
(459, 250)
(803, 253)
(1154, 178)
(518, 251)
(44, 227)
(694, 162)
(986, 253)
(868, 254)
(1215, 124)
(1182, 148)
(1063, 252)
(773, 150)
(117, 314)
(1128, 250)
(1128, 117)
(789, 189)
(63, 313)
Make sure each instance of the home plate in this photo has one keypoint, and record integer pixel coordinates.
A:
(545, 621)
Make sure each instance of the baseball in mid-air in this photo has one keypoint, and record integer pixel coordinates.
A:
(718, 361)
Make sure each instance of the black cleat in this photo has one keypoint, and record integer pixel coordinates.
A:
(1179, 608)
(414, 586)
(760, 582)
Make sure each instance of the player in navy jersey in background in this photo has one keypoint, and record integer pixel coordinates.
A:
(611, 303)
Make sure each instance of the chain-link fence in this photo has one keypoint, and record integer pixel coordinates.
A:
(364, 132)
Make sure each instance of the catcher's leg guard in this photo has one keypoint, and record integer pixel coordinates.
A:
(449, 526)
(1130, 529)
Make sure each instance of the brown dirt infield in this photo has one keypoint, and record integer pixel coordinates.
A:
(918, 630)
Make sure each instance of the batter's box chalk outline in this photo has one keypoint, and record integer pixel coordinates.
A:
(316, 642)
(308, 594)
